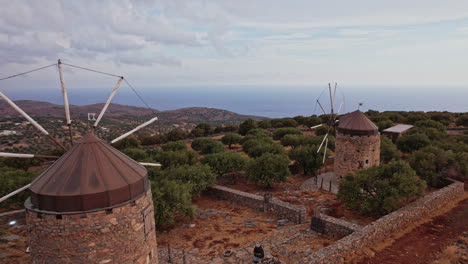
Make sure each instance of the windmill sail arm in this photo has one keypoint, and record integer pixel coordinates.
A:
(134, 130)
(106, 105)
(325, 151)
(331, 98)
(64, 93)
(321, 144)
(339, 109)
(149, 164)
(14, 192)
(21, 112)
(16, 155)
(321, 107)
(25, 156)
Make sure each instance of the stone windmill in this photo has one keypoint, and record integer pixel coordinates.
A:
(357, 140)
(357, 144)
(93, 204)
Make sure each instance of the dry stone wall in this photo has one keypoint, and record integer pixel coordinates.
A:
(355, 152)
(333, 227)
(355, 243)
(123, 234)
(268, 204)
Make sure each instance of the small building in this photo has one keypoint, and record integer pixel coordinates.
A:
(395, 132)
(93, 205)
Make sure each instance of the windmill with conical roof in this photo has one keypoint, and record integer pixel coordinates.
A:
(93, 204)
(357, 144)
(357, 141)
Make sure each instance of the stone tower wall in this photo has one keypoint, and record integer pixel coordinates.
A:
(355, 152)
(124, 234)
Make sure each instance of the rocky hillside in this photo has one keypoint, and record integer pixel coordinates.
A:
(192, 114)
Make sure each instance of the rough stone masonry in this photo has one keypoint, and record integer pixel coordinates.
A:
(123, 234)
(355, 152)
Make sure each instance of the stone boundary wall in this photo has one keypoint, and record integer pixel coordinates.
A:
(332, 226)
(268, 204)
(355, 243)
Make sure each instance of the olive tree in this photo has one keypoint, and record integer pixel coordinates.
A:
(225, 162)
(381, 190)
(268, 169)
(230, 139)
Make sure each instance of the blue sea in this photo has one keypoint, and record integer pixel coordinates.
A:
(268, 101)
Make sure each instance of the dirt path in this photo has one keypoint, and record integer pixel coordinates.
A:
(423, 243)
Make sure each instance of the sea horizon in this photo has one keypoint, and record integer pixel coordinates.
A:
(266, 101)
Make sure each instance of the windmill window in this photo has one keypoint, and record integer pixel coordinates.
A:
(59, 217)
(109, 211)
(367, 161)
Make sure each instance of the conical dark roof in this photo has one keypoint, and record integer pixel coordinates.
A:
(91, 175)
(357, 123)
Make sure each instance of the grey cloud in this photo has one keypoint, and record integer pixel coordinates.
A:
(86, 29)
(141, 59)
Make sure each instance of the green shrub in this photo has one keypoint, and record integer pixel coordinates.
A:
(384, 124)
(433, 164)
(230, 139)
(308, 158)
(225, 162)
(177, 158)
(212, 147)
(199, 143)
(153, 140)
(174, 146)
(281, 132)
(199, 177)
(11, 180)
(388, 150)
(207, 128)
(169, 198)
(247, 125)
(135, 153)
(128, 142)
(257, 147)
(413, 142)
(462, 120)
(268, 169)
(381, 190)
(177, 134)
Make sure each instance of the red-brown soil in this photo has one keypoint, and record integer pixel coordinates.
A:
(422, 244)
(218, 225)
(290, 193)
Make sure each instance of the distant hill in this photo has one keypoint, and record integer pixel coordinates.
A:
(191, 114)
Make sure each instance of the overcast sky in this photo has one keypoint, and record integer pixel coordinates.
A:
(240, 42)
